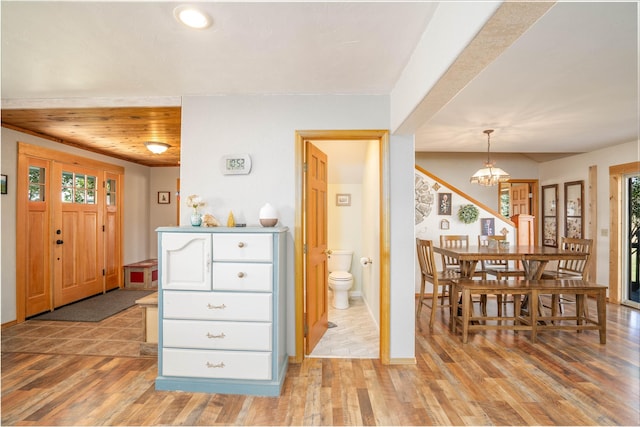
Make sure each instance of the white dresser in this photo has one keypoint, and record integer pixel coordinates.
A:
(221, 310)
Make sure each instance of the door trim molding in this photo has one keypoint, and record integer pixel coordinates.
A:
(382, 136)
(616, 178)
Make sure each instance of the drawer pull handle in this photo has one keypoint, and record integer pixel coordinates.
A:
(241, 274)
(215, 365)
(221, 335)
(216, 307)
(241, 244)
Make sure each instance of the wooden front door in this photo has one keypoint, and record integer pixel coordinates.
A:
(317, 292)
(519, 199)
(78, 237)
(68, 228)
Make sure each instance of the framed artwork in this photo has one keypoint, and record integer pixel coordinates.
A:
(343, 199)
(164, 197)
(3, 184)
(487, 226)
(444, 224)
(444, 203)
(550, 215)
(573, 208)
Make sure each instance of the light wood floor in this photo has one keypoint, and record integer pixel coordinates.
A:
(497, 378)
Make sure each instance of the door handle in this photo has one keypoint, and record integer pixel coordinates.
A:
(59, 242)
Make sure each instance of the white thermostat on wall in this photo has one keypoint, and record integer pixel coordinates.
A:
(236, 164)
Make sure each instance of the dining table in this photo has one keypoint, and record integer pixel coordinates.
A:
(533, 258)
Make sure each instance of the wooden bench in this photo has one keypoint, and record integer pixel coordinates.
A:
(531, 320)
(149, 306)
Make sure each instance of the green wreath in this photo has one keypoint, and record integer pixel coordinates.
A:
(468, 214)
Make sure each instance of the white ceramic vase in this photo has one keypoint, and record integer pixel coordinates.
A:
(268, 216)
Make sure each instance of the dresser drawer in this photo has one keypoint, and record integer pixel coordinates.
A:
(216, 364)
(242, 247)
(235, 276)
(217, 306)
(216, 335)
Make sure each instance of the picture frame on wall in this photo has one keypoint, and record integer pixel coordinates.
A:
(164, 197)
(573, 209)
(550, 215)
(444, 224)
(343, 199)
(487, 226)
(444, 203)
(3, 184)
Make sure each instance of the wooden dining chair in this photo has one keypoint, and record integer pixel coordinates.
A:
(441, 280)
(454, 241)
(570, 268)
(461, 241)
(500, 268)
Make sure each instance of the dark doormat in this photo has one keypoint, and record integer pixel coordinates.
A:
(95, 309)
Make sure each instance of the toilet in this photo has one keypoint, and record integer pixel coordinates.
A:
(340, 280)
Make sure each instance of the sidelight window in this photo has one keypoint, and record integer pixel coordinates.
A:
(36, 184)
(111, 192)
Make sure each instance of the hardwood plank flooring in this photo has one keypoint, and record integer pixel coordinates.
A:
(498, 378)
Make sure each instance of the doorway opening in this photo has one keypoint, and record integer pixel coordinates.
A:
(381, 138)
(519, 197)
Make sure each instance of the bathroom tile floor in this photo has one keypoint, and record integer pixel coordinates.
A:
(355, 336)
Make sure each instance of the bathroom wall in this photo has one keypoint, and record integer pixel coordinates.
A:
(371, 226)
(344, 228)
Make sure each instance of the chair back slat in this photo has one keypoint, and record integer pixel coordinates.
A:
(484, 241)
(453, 241)
(576, 267)
(427, 260)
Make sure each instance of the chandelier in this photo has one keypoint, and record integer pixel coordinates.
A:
(489, 174)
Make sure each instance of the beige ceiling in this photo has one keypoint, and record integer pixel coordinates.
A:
(567, 85)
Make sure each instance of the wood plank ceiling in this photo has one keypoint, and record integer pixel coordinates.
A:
(115, 132)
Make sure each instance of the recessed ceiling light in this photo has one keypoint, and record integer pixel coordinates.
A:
(192, 17)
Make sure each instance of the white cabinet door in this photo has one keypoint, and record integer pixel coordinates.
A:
(186, 261)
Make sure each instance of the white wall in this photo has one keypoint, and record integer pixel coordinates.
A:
(576, 168)
(162, 179)
(264, 127)
(457, 168)
(136, 216)
(402, 248)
